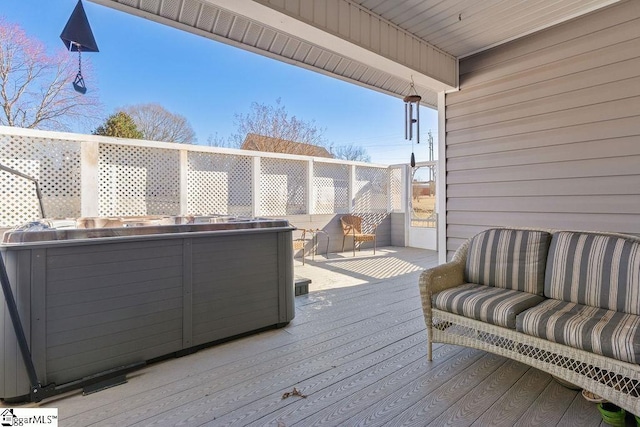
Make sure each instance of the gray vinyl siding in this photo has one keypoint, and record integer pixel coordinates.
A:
(545, 131)
(397, 229)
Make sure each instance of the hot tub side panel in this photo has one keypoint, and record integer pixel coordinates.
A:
(286, 287)
(14, 380)
(233, 285)
(110, 305)
(93, 305)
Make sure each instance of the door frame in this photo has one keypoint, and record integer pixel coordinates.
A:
(420, 237)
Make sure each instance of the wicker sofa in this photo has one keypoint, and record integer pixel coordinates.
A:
(565, 302)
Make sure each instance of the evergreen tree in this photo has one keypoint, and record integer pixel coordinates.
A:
(120, 125)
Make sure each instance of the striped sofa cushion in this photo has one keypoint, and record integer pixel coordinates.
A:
(509, 259)
(486, 303)
(594, 269)
(606, 332)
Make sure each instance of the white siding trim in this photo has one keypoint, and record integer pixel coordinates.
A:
(441, 180)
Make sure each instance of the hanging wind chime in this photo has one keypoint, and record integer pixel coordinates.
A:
(411, 103)
(77, 36)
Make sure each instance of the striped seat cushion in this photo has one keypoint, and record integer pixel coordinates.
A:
(486, 303)
(606, 332)
(509, 259)
(594, 269)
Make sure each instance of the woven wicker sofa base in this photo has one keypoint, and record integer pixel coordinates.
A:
(614, 380)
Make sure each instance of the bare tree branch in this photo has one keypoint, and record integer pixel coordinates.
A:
(270, 128)
(35, 88)
(158, 124)
(350, 152)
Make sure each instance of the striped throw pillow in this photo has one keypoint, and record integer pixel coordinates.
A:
(509, 259)
(594, 269)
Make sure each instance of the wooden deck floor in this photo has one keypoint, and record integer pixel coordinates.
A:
(356, 350)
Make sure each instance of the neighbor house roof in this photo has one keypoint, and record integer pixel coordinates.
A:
(257, 142)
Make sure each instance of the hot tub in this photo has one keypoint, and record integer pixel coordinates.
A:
(98, 293)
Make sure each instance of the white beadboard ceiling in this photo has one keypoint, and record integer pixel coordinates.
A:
(465, 27)
(380, 44)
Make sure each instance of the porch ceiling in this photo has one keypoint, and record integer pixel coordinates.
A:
(380, 44)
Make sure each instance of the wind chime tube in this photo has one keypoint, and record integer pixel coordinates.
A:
(418, 122)
(410, 121)
(406, 121)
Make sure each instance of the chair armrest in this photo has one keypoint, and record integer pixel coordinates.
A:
(439, 278)
(442, 277)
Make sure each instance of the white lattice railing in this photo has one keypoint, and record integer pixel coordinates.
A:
(87, 175)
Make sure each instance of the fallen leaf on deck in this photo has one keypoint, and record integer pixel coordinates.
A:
(294, 392)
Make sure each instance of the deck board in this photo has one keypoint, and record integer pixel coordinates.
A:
(482, 397)
(512, 404)
(356, 349)
(550, 407)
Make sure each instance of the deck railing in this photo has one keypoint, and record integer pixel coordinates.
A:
(87, 175)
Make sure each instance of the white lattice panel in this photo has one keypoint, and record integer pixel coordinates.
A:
(283, 186)
(56, 166)
(371, 189)
(145, 180)
(331, 188)
(138, 181)
(395, 189)
(219, 184)
(371, 220)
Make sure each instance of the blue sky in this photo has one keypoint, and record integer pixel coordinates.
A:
(208, 82)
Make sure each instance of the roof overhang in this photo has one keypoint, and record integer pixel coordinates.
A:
(269, 31)
(381, 44)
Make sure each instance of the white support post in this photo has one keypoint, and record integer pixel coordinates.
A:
(89, 179)
(406, 193)
(352, 188)
(389, 192)
(405, 185)
(184, 182)
(255, 187)
(310, 196)
(441, 181)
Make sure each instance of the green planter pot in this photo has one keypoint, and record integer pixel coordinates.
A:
(612, 414)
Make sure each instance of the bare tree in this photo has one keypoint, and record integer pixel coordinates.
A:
(270, 128)
(350, 152)
(217, 140)
(274, 122)
(35, 87)
(158, 124)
